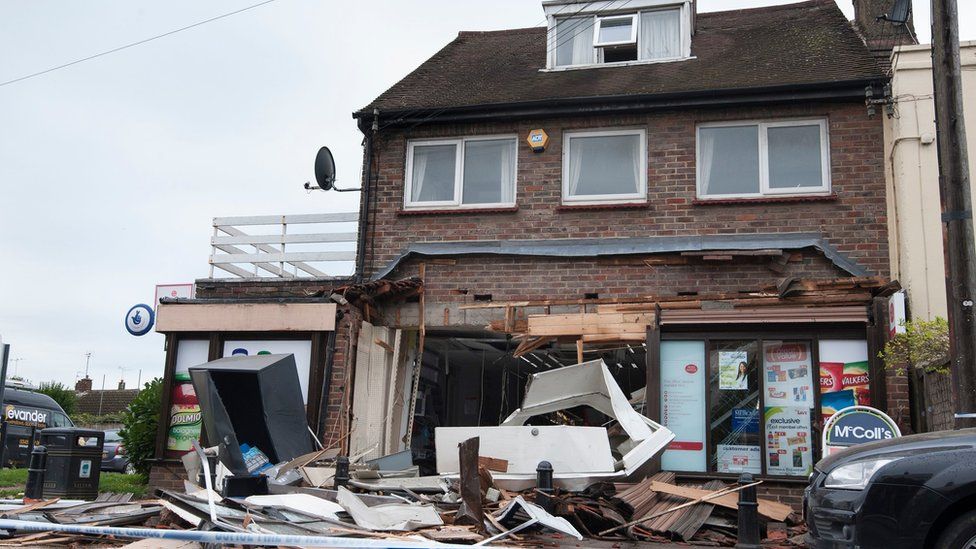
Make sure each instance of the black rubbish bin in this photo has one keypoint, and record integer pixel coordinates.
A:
(74, 458)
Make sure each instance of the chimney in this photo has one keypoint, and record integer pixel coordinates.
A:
(121, 384)
(880, 35)
(83, 385)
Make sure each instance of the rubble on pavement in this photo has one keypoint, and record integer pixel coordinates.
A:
(488, 493)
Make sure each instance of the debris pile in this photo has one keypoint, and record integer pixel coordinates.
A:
(516, 484)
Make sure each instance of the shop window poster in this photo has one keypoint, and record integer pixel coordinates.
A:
(733, 370)
(844, 375)
(789, 443)
(683, 404)
(788, 379)
(738, 458)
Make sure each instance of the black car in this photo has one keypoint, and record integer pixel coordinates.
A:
(915, 491)
(113, 454)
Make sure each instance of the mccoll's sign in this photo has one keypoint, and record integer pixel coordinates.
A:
(856, 425)
(24, 416)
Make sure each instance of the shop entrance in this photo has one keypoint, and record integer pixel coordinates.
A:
(472, 378)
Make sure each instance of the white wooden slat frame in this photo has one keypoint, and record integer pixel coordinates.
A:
(269, 253)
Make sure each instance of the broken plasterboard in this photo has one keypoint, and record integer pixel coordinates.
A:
(303, 503)
(586, 384)
(389, 516)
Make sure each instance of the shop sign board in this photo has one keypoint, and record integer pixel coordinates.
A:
(174, 291)
(683, 404)
(856, 425)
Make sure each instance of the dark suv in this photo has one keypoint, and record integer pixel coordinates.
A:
(915, 491)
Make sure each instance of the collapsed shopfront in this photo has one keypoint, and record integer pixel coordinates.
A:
(743, 380)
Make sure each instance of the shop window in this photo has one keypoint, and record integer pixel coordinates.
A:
(733, 389)
(789, 395)
(751, 405)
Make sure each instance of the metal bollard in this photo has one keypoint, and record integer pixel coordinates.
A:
(543, 481)
(342, 472)
(35, 475)
(748, 515)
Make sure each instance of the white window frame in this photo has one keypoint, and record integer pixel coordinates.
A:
(764, 188)
(555, 10)
(639, 196)
(634, 21)
(455, 204)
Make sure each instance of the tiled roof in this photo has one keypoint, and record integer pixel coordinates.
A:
(791, 45)
(110, 401)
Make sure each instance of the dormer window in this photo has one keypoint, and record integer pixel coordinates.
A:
(658, 30)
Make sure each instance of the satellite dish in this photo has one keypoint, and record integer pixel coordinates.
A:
(901, 11)
(325, 171)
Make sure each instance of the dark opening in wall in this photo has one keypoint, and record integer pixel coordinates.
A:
(482, 297)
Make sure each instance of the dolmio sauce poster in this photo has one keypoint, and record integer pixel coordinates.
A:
(844, 375)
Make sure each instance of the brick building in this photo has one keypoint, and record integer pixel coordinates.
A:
(698, 199)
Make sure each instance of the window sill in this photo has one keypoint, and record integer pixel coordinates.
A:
(616, 64)
(609, 206)
(454, 211)
(764, 200)
(682, 475)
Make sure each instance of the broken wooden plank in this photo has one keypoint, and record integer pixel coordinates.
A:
(493, 464)
(770, 509)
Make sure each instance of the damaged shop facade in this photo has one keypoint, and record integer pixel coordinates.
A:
(676, 231)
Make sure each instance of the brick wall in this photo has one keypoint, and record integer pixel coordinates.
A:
(518, 278)
(854, 221)
(168, 475)
(343, 364)
(267, 288)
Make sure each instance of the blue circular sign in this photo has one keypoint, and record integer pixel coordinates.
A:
(139, 320)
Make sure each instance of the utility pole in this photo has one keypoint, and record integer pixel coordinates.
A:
(957, 215)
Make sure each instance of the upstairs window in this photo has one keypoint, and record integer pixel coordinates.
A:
(458, 173)
(756, 159)
(646, 35)
(604, 166)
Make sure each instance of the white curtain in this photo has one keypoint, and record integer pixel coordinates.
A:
(636, 159)
(660, 34)
(508, 174)
(706, 156)
(583, 42)
(573, 41)
(419, 173)
(575, 166)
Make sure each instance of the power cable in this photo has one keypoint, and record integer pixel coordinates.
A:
(133, 44)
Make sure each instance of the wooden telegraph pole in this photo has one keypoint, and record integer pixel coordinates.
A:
(957, 215)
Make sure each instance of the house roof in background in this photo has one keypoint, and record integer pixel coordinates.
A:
(794, 45)
(109, 401)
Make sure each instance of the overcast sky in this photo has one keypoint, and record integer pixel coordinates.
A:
(112, 169)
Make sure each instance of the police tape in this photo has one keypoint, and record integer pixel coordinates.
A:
(240, 538)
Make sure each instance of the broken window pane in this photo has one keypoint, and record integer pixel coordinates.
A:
(734, 397)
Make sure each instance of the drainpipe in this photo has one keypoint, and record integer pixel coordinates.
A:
(364, 207)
